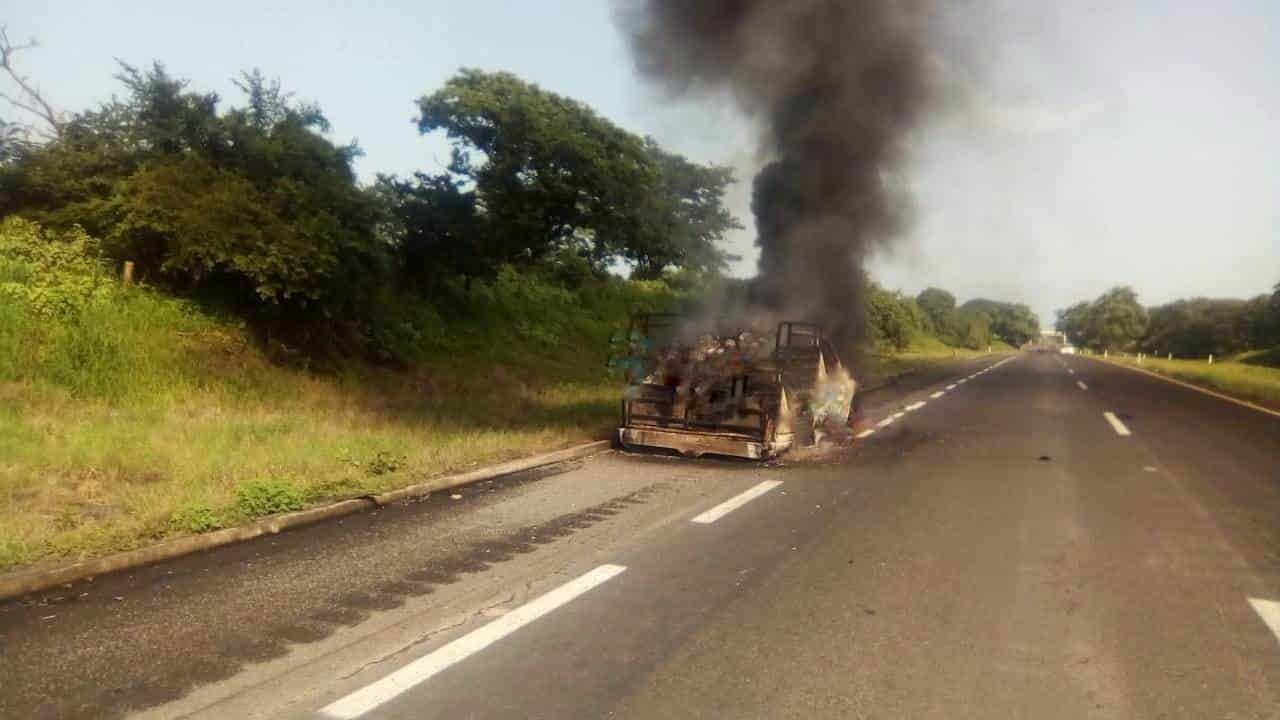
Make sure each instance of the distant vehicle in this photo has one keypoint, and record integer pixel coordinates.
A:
(724, 391)
(1067, 350)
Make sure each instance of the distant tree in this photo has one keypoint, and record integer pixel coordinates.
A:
(1074, 323)
(975, 328)
(1014, 323)
(1117, 320)
(891, 320)
(940, 307)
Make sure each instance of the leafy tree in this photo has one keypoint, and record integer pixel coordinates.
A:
(895, 320)
(1014, 323)
(940, 307)
(1074, 323)
(437, 230)
(685, 218)
(254, 201)
(1116, 320)
(546, 174)
(975, 327)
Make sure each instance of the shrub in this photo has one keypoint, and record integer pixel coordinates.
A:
(52, 274)
(195, 519)
(268, 496)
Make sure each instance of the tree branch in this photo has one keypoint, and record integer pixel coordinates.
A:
(29, 98)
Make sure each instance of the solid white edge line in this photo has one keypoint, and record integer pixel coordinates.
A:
(897, 415)
(406, 678)
(1269, 611)
(1116, 425)
(938, 394)
(885, 422)
(1082, 385)
(736, 502)
(865, 434)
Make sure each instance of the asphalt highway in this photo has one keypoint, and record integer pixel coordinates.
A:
(1022, 536)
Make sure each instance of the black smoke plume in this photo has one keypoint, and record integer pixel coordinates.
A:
(837, 86)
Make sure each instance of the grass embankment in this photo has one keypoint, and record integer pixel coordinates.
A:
(1252, 376)
(923, 352)
(127, 416)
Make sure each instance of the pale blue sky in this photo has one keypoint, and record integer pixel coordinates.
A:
(1106, 143)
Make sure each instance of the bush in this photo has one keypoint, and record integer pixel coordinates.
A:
(268, 496)
(53, 274)
(195, 519)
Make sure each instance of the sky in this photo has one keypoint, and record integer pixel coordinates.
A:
(1096, 144)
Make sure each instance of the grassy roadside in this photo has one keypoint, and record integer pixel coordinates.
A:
(208, 434)
(128, 416)
(1236, 376)
(925, 352)
(88, 476)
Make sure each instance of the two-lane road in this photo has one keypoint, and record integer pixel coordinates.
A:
(1038, 536)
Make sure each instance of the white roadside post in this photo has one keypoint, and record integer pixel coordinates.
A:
(1210, 358)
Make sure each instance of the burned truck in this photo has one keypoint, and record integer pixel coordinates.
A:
(730, 390)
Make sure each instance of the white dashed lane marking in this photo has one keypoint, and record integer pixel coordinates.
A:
(1269, 611)
(915, 406)
(1116, 425)
(1082, 385)
(406, 678)
(736, 502)
(938, 394)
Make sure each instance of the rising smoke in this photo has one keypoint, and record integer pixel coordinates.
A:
(837, 86)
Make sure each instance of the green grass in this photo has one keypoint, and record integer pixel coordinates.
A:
(127, 416)
(139, 417)
(925, 351)
(1257, 383)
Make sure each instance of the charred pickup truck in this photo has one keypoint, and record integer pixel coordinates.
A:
(729, 391)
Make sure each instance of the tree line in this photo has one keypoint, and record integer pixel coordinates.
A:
(251, 206)
(1194, 328)
(898, 320)
(254, 207)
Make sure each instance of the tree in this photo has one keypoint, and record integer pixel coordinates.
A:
(1074, 323)
(1014, 323)
(254, 205)
(685, 218)
(976, 328)
(549, 175)
(1117, 320)
(940, 307)
(27, 97)
(437, 230)
(548, 172)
